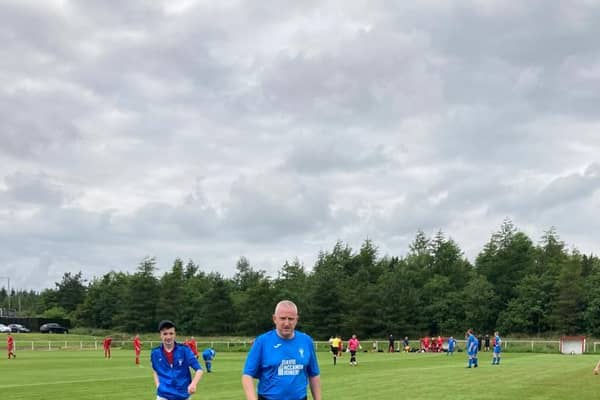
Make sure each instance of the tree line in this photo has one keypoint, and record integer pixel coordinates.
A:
(514, 285)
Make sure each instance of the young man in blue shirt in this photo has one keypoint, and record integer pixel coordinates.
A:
(472, 347)
(497, 349)
(283, 360)
(451, 346)
(208, 355)
(171, 363)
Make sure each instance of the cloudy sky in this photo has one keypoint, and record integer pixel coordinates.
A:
(210, 130)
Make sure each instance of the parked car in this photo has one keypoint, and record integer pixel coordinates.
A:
(53, 327)
(4, 329)
(18, 328)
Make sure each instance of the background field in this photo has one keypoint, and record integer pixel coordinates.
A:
(81, 375)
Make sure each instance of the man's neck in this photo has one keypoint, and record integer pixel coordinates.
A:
(284, 337)
(169, 347)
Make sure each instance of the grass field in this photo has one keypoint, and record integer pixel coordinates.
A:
(82, 375)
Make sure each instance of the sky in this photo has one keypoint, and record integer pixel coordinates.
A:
(210, 131)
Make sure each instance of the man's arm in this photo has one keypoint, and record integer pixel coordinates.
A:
(315, 386)
(197, 377)
(248, 385)
(156, 381)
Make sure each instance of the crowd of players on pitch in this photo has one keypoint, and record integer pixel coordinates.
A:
(427, 344)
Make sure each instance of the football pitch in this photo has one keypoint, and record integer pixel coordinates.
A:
(82, 375)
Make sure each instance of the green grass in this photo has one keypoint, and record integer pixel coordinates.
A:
(82, 375)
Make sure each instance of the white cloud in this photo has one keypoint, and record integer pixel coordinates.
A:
(271, 130)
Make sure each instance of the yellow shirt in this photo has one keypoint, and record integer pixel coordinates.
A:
(336, 342)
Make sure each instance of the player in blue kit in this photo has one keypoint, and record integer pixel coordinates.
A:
(283, 360)
(171, 363)
(208, 355)
(497, 349)
(472, 346)
(451, 346)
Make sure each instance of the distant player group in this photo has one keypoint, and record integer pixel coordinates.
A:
(473, 347)
(337, 348)
(427, 345)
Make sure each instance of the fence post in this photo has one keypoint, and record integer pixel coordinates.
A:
(532, 346)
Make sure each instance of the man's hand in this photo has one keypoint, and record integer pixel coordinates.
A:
(192, 388)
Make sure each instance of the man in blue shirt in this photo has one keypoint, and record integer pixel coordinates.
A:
(472, 347)
(283, 360)
(497, 349)
(171, 363)
(208, 355)
(451, 346)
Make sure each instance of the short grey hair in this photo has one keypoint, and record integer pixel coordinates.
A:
(286, 304)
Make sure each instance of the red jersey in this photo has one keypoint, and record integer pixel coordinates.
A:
(192, 345)
(426, 343)
(137, 345)
(107, 342)
(10, 343)
(168, 355)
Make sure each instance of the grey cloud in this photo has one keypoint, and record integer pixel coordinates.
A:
(294, 124)
(566, 189)
(322, 155)
(489, 52)
(369, 78)
(271, 207)
(30, 189)
(60, 227)
(34, 125)
(190, 221)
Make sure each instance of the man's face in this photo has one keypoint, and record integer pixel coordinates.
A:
(285, 320)
(167, 336)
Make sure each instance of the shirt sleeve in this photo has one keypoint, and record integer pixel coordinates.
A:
(193, 361)
(253, 360)
(152, 360)
(313, 365)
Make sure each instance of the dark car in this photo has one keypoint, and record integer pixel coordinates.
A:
(53, 327)
(18, 328)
